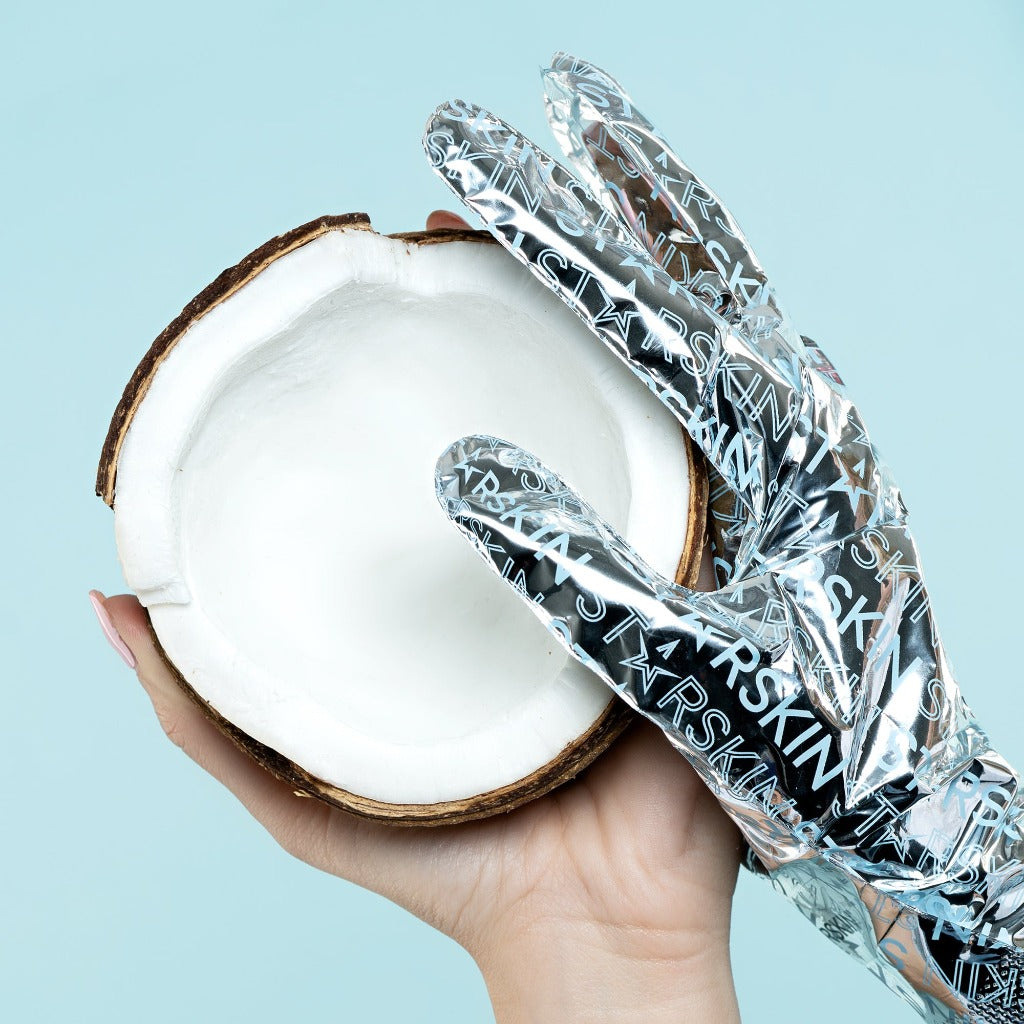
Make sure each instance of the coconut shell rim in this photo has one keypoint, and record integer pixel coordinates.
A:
(223, 287)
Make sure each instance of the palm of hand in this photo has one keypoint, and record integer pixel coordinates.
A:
(637, 843)
(636, 846)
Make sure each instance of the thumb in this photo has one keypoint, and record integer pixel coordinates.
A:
(673, 655)
(580, 578)
(368, 854)
(271, 801)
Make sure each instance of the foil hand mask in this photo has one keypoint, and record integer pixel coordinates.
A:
(811, 690)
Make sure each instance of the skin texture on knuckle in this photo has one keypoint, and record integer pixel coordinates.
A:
(173, 723)
(293, 836)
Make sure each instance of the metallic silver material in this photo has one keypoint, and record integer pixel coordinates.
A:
(811, 691)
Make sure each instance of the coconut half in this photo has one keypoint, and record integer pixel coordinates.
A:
(270, 467)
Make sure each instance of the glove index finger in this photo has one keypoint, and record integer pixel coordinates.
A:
(692, 359)
(501, 175)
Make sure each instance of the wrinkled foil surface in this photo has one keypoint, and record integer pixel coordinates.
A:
(810, 691)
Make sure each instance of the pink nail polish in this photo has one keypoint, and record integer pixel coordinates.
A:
(108, 629)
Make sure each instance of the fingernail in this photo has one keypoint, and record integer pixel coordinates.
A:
(109, 632)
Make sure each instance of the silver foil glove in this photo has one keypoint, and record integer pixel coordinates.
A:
(811, 691)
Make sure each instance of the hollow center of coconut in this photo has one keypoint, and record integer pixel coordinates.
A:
(275, 510)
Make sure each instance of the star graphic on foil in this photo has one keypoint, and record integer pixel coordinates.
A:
(645, 266)
(623, 318)
(859, 434)
(640, 663)
(849, 483)
(466, 469)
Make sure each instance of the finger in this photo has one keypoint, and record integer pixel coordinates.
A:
(445, 219)
(625, 161)
(560, 232)
(384, 859)
(577, 96)
(679, 218)
(685, 353)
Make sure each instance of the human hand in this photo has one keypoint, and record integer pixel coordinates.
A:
(811, 691)
(611, 893)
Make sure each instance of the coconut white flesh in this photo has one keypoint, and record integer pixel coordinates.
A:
(275, 510)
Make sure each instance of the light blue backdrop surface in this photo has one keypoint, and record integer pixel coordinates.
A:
(873, 155)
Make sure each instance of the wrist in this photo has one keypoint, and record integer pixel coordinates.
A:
(591, 973)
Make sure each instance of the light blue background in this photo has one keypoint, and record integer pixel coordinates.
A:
(873, 155)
